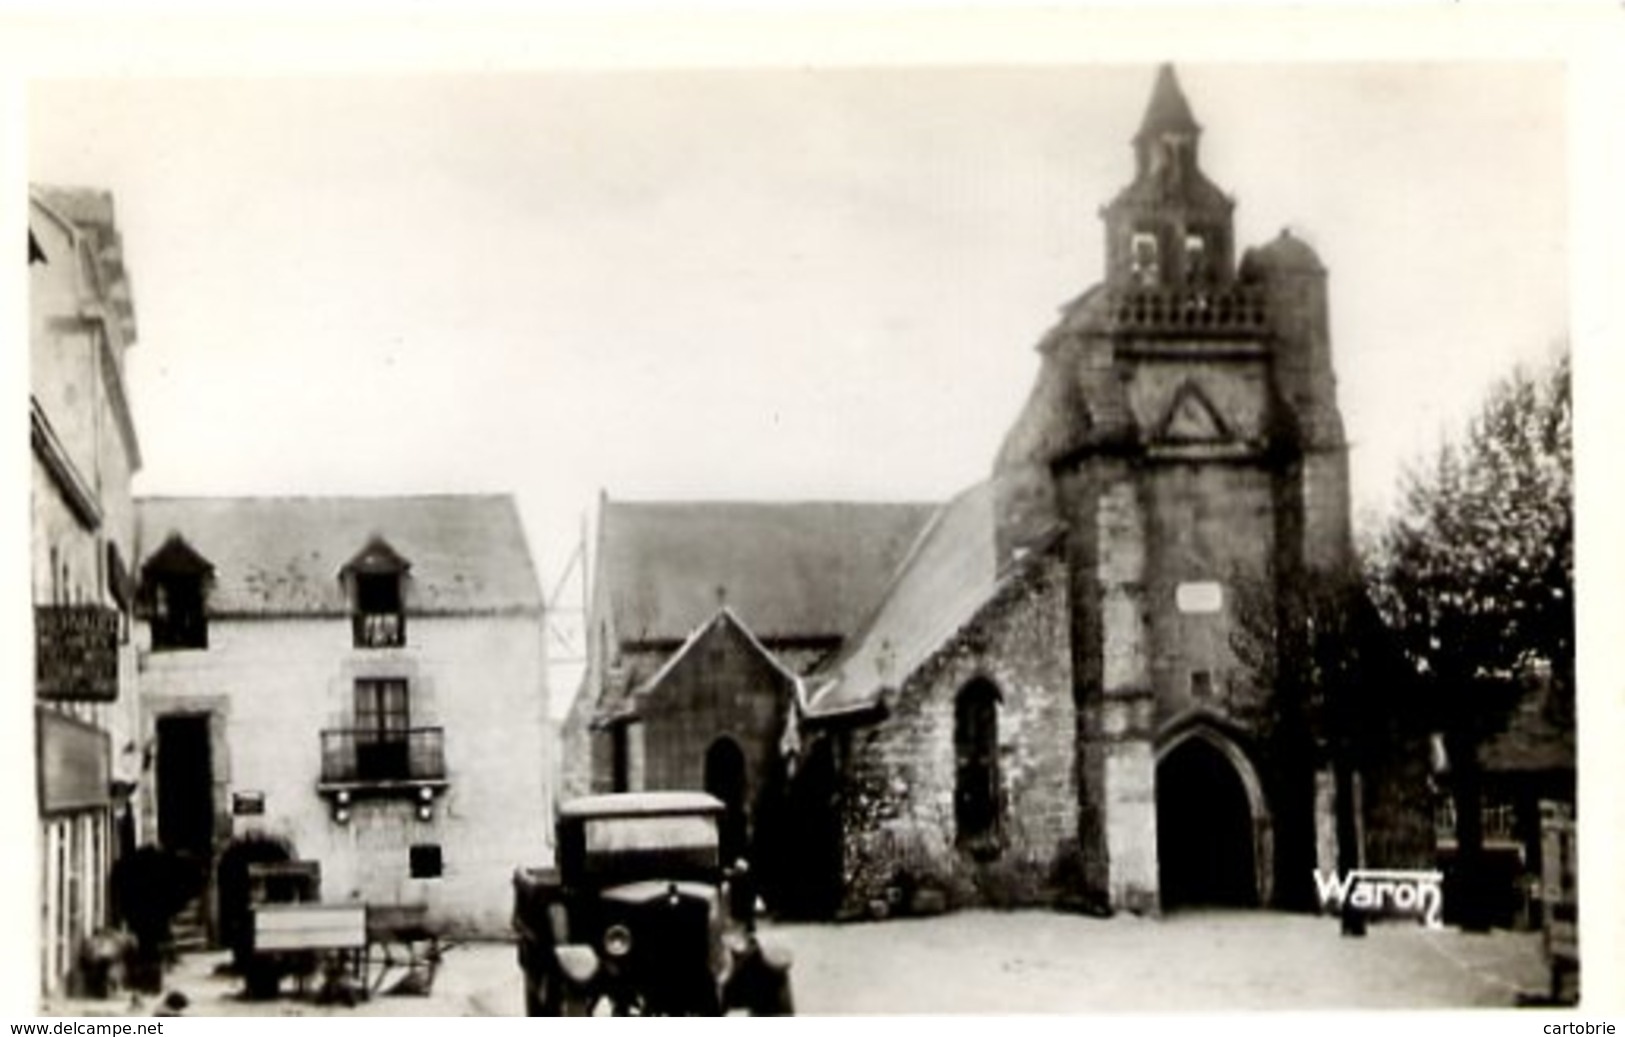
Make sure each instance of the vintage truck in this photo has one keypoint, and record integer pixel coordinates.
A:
(643, 917)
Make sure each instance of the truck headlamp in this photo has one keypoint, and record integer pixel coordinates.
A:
(617, 941)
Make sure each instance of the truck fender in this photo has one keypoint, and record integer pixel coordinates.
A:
(578, 962)
(774, 953)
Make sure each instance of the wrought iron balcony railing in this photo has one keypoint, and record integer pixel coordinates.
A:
(379, 629)
(1220, 312)
(373, 757)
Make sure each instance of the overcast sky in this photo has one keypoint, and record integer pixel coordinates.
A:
(759, 284)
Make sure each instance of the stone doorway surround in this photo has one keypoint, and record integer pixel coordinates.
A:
(1263, 826)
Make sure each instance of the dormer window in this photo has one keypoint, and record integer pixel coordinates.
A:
(177, 614)
(174, 591)
(1144, 263)
(380, 621)
(378, 608)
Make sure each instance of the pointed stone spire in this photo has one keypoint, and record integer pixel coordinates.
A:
(1171, 227)
(1168, 111)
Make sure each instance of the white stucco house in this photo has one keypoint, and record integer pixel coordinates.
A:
(363, 678)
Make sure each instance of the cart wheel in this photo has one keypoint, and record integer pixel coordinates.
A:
(262, 980)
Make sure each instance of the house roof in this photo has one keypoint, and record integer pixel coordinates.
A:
(90, 210)
(792, 570)
(949, 574)
(1533, 741)
(285, 555)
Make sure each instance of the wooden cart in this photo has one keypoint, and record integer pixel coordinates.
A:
(403, 950)
(328, 941)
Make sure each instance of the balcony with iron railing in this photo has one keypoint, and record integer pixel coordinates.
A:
(379, 629)
(374, 760)
(1218, 311)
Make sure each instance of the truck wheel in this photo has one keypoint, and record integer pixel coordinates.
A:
(536, 997)
(780, 1001)
(772, 995)
(767, 994)
(573, 1001)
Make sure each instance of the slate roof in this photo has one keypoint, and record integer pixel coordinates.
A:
(949, 574)
(90, 210)
(791, 570)
(284, 555)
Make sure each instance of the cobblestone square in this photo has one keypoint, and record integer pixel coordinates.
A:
(1023, 962)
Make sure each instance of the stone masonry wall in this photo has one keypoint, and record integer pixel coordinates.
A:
(1208, 524)
(898, 794)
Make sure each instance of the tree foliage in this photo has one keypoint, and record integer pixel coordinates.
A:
(1475, 573)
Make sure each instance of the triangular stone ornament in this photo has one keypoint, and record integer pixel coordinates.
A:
(1191, 418)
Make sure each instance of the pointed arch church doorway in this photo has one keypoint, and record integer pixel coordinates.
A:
(1213, 830)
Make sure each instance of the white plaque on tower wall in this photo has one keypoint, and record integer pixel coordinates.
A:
(1200, 597)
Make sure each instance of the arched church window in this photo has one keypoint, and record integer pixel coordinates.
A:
(1144, 263)
(977, 799)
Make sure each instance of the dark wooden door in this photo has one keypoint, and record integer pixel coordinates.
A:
(185, 786)
(1204, 830)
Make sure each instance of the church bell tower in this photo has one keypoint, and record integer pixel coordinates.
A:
(1184, 432)
(1171, 227)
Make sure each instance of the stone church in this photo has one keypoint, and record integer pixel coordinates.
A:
(1034, 692)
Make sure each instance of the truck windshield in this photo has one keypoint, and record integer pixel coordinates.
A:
(612, 835)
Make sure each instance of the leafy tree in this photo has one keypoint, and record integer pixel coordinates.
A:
(1339, 703)
(1475, 577)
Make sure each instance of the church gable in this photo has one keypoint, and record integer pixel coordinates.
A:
(1192, 418)
(1183, 403)
(721, 697)
(720, 658)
